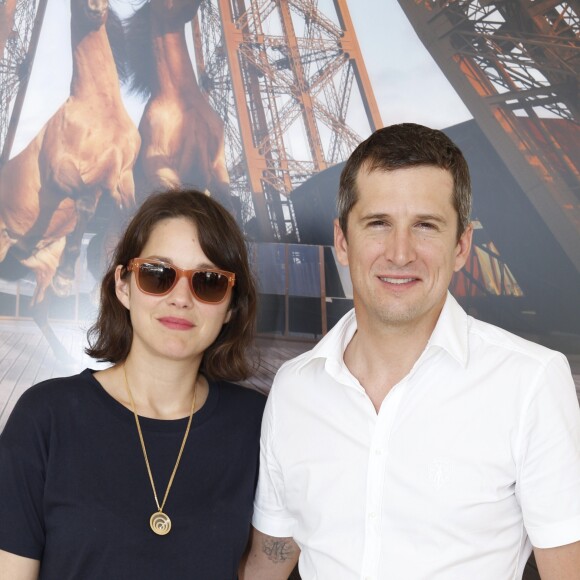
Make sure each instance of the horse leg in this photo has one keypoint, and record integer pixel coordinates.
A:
(6, 240)
(220, 191)
(39, 313)
(48, 203)
(219, 178)
(126, 190)
(43, 263)
(63, 280)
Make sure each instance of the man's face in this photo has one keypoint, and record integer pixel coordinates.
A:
(401, 246)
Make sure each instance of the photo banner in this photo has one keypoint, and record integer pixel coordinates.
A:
(259, 105)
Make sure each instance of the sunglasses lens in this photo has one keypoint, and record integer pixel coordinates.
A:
(210, 286)
(156, 278)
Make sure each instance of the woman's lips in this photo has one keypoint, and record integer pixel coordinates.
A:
(176, 323)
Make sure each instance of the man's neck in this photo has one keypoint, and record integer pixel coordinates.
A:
(381, 358)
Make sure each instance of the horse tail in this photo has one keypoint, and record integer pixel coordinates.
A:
(140, 51)
(118, 42)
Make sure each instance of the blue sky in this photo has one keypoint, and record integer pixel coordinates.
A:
(407, 83)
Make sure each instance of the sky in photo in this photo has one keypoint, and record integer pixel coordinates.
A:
(407, 84)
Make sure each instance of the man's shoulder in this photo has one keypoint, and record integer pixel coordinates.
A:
(489, 336)
(297, 366)
(331, 346)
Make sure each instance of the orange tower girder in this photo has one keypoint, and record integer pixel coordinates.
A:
(286, 97)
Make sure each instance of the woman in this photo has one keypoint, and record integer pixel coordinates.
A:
(146, 469)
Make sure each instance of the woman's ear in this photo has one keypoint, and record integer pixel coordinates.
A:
(122, 287)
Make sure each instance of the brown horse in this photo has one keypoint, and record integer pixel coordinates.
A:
(50, 191)
(183, 137)
(20, 184)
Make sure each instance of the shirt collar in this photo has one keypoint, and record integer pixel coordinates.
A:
(451, 331)
(333, 345)
(450, 334)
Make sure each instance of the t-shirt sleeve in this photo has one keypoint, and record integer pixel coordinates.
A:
(549, 475)
(270, 514)
(22, 475)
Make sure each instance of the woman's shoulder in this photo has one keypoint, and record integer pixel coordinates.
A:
(56, 390)
(242, 395)
(53, 399)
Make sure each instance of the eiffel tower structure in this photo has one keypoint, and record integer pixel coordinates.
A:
(20, 25)
(516, 66)
(285, 76)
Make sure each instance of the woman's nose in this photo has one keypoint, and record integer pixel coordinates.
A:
(181, 295)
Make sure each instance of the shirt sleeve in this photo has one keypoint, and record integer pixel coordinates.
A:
(549, 473)
(22, 476)
(270, 513)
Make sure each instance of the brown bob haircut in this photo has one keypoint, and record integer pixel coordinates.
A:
(221, 240)
(406, 145)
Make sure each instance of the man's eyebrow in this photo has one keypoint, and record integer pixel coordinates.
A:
(432, 217)
(425, 217)
(375, 216)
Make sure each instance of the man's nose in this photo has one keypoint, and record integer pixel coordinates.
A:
(401, 247)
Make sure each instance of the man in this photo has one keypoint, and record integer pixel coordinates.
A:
(415, 442)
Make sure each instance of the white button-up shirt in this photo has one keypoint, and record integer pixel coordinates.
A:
(475, 452)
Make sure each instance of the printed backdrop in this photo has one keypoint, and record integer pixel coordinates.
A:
(259, 104)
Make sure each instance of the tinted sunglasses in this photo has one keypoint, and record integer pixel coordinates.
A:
(159, 278)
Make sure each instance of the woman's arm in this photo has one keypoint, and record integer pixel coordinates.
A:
(13, 567)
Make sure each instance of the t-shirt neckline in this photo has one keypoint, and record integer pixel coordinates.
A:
(148, 423)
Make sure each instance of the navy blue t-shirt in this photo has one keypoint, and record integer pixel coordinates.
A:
(75, 494)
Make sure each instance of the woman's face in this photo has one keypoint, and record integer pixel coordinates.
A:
(176, 326)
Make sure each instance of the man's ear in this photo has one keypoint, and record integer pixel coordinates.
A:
(340, 244)
(463, 248)
(122, 287)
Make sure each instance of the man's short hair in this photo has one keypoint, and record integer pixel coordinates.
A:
(406, 145)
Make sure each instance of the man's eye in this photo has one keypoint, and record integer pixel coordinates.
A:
(427, 226)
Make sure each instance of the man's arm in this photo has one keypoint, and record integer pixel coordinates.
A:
(561, 563)
(13, 567)
(269, 558)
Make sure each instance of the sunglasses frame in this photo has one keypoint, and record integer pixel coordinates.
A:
(133, 266)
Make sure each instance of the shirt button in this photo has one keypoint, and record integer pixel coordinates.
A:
(372, 515)
(378, 451)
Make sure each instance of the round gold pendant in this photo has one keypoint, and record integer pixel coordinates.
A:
(160, 523)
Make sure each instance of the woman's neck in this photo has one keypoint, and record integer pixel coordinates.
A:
(160, 390)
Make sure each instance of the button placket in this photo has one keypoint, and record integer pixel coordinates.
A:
(378, 454)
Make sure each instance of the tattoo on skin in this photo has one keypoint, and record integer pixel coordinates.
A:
(278, 550)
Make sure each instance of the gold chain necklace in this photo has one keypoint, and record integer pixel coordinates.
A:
(159, 521)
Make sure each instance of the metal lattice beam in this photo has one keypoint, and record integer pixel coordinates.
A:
(281, 74)
(516, 65)
(20, 23)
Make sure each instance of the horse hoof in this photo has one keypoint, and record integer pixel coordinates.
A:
(62, 286)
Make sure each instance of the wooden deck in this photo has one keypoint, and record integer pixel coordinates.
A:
(26, 359)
